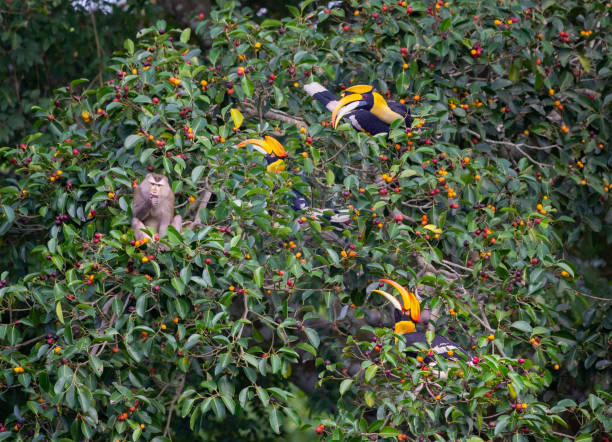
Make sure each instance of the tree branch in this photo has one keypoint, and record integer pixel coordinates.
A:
(517, 146)
(97, 39)
(178, 392)
(249, 110)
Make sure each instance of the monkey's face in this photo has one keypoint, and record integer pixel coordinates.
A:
(156, 186)
(155, 189)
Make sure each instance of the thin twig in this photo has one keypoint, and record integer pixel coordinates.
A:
(28, 342)
(98, 49)
(509, 143)
(178, 392)
(245, 301)
(272, 114)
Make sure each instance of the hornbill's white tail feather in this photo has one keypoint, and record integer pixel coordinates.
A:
(322, 95)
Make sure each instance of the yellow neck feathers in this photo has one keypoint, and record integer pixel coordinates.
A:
(382, 110)
(403, 327)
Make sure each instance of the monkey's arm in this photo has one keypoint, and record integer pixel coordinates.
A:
(141, 207)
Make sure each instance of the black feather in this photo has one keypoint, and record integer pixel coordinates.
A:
(440, 346)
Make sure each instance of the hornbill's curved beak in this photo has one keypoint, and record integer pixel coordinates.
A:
(345, 105)
(409, 305)
(260, 146)
(272, 149)
(359, 89)
(410, 302)
(276, 147)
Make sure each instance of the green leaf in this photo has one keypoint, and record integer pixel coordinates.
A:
(197, 173)
(271, 23)
(370, 372)
(388, 432)
(445, 24)
(460, 112)
(313, 337)
(345, 385)
(369, 398)
(229, 403)
(331, 178)
(187, 405)
(218, 408)
(258, 276)
(263, 395)
(129, 46)
(59, 312)
(131, 140)
(96, 364)
(247, 86)
(274, 420)
(185, 35)
(585, 63)
(515, 72)
(522, 326)
(564, 266)
(136, 433)
(501, 424)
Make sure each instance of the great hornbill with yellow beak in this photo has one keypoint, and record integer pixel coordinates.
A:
(364, 108)
(275, 155)
(273, 152)
(407, 314)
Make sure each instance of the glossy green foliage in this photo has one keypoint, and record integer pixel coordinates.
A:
(260, 323)
(46, 42)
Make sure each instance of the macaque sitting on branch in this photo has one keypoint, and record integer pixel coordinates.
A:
(153, 206)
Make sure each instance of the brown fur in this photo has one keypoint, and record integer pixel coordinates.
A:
(153, 207)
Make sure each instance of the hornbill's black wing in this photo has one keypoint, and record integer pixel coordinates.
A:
(441, 345)
(402, 110)
(363, 120)
(359, 119)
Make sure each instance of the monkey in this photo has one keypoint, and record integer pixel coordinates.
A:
(153, 206)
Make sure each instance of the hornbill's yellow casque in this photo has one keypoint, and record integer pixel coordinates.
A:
(364, 108)
(407, 313)
(275, 155)
(273, 151)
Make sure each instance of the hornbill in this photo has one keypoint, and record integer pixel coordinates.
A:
(275, 155)
(273, 151)
(364, 108)
(406, 314)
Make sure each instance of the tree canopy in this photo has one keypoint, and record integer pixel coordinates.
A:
(260, 322)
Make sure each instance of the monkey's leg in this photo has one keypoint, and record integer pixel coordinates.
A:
(137, 226)
(177, 223)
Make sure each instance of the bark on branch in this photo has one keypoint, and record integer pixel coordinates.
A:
(249, 110)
